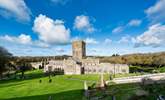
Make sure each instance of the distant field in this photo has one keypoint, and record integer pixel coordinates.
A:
(62, 87)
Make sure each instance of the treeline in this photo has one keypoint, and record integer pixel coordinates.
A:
(41, 58)
(148, 59)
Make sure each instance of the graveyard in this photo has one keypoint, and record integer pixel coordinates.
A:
(36, 86)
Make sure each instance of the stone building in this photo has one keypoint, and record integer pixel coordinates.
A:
(79, 64)
(78, 49)
(36, 65)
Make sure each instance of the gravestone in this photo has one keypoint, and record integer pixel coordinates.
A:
(85, 89)
(102, 80)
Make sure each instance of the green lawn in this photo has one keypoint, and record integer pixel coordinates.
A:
(62, 87)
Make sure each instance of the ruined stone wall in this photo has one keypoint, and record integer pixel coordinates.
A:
(114, 68)
(71, 67)
(36, 64)
(106, 68)
(54, 64)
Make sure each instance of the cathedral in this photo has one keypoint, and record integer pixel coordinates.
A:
(80, 64)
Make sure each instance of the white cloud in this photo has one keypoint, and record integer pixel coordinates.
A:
(134, 22)
(24, 40)
(15, 9)
(156, 12)
(87, 40)
(91, 41)
(94, 51)
(121, 28)
(51, 31)
(82, 23)
(108, 41)
(40, 44)
(59, 50)
(75, 39)
(118, 29)
(125, 39)
(154, 36)
(21, 39)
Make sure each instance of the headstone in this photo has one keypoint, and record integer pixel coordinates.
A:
(40, 81)
(85, 89)
(50, 98)
(85, 85)
(102, 80)
(113, 97)
(110, 77)
(50, 80)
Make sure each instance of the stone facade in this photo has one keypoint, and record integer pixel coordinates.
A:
(78, 49)
(36, 64)
(79, 65)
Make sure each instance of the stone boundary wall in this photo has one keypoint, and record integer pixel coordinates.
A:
(138, 79)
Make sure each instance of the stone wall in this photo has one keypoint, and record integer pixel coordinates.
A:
(159, 77)
(36, 64)
(78, 49)
(106, 68)
(88, 66)
(114, 68)
(78, 65)
(54, 64)
(71, 67)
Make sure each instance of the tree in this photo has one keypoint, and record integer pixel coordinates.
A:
(22, 67)
(114, 55)
(5, 57)
(159, 61)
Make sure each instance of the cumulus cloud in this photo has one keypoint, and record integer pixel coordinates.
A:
(24, 40)
(59, 50)
(82, 23)
(51, 31)
(134, 22)
(131, 23)
(91, 41)
(15, 9)
(125, 39)
(75, 39)
(118, 29)
(154, 36)
(156, 12)
(108, 41)
(94, 50)
(40, 44)
(21, 39)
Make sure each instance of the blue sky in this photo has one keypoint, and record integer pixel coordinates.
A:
(47, 27)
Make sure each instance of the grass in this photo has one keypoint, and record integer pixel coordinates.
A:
(161, 69)
(147, 69)
(62, 87)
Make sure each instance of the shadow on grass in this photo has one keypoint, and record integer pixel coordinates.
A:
(11, 84)
(72, 95)
(28, 76)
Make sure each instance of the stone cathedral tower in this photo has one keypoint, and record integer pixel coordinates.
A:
(78, 49)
